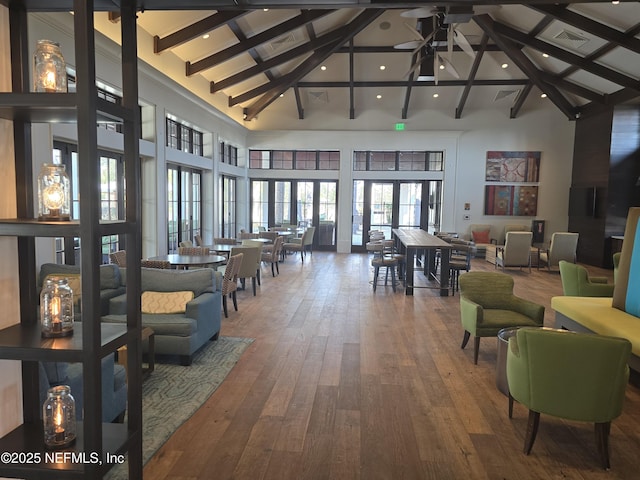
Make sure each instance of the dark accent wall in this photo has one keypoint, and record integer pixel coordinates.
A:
(605, 180)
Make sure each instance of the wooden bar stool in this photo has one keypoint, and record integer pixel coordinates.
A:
(390, 263)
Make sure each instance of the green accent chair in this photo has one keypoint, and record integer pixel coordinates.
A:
(487, 305)
(576, 282)
(575, 376)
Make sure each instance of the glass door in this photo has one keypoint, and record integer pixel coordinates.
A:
(327, 206)
(381, 207)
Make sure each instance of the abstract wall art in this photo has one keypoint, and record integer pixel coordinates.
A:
(513, 167)
(510, 200)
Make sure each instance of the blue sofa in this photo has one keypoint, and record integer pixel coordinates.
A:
(179, 334)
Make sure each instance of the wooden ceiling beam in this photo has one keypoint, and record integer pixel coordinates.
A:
(239, 34)
(421, 83)
(298, 21)
(282, 84)
(296, 92)
(522, 61)
(195, 30)
(520, 100)
(572, 87)
(472, 75)
(407, 94)
(566, 56)
(598, 29)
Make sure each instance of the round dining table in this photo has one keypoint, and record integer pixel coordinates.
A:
(178, 260)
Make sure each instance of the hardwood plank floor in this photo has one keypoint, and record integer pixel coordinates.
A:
(343, 384)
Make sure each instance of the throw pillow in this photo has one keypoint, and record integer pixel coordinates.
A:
(165, 302)
(481, 236)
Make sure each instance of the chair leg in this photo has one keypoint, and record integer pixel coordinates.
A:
(393, 278)
(253, 283)
(476, 349)
(277, 267)
(532, 431)
(465, 339)
(602, 441)
(235, 300)
(386, 276)
(224, 306)
(273, 272)
(375, 277)
(510, 406)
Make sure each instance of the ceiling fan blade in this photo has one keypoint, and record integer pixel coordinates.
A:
(416, 33)
(414, 67)
(422, 43)
(422, 12)
(449, 66)
(413, 44)
(436, 67)
(463, 43)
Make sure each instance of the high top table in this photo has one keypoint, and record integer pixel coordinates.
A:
(411, 240)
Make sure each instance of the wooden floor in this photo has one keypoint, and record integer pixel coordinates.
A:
(342, 383)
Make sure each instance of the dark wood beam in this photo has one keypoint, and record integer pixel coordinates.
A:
(417, 83)
(305, 17)
(352, 109)
(279, 59)
(388, 49)
(296, 92)
(528, 68)
(520, 100)
(239, 34)
(566, 56)
(407, 94)
(598, 29)
(572, 87)
(194, 30)
(472, 75)
(355, 27)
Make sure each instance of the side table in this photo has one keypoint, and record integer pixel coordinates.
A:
(149, 335)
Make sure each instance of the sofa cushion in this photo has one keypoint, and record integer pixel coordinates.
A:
(162, 324)
(159, 280)
(165, 302)
(598, 315)
(109, 274)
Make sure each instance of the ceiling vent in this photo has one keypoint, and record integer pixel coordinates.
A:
(505, 94)
(318, 97)
(570, 38)
(282, 42)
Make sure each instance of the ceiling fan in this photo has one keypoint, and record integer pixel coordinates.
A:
(438, 26)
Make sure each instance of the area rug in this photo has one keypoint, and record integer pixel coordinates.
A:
(174, 392)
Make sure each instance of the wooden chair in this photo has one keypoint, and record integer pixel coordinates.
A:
(230, 281)
(301, 244)
(119, 258)
(250, 267)
(271, 254)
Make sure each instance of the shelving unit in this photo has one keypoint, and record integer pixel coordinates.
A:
(92, 340)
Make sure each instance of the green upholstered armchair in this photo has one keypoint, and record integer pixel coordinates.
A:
(576, 376)
(487, 305)
(576, 282)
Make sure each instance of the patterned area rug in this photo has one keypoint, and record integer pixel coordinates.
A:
(173, 393)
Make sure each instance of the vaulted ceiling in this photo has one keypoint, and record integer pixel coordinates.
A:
(340, 55)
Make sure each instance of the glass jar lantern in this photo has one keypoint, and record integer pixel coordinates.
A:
(49, 68)
(54, 203)
(56, 308)
(59, 418)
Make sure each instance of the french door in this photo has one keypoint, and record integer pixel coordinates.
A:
(385, 205)
(304, 203)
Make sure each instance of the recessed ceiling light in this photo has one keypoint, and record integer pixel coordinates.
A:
(205, 36)
(441, 66)
(323, 68)
(545, 55)
(281, 95)
(615, 2)
(436, 95)
(382, 67)
(544, 95)
(378, 96)
(265, 9)
(505, 65)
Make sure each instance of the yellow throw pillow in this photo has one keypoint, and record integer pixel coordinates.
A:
(73, 280)
(165, 302)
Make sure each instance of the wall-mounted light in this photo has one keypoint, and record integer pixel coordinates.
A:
(53, 193)
(59, 418)
(49, 68)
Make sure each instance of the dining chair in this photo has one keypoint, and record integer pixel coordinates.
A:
(563, 246)
(516, 251)
(271, 254)
(119, 258)
(224, 241)
(185, 243)
(229, 285)
(165, 264)
(250, 267)
(198, 240)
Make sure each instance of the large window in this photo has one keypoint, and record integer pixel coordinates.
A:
(182, 137)
(227, 205)
(184, 204)
(420, 161)
(228, 154)
(112, 199)
(294, 159)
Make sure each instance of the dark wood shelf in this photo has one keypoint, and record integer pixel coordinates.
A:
(55, 107)
(28, 227)
(26, 343)
(27, 439)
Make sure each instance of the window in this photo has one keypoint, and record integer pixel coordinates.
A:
(228, 154)
(227, 203)
(259, 204)
(183, 137)
(398, 161)
(184, 205)
(294, 159)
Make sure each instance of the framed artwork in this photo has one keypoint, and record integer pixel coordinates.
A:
(513, 167)
(510, 200)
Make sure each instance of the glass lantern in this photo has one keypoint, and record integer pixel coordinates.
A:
(54, 203)
(59, 418)
(56, 308)
(49, 68)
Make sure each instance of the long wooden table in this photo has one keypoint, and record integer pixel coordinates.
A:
(412, 240)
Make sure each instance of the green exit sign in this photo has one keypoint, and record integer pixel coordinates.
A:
(399, 126)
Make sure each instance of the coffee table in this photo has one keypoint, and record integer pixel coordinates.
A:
(147, 334)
